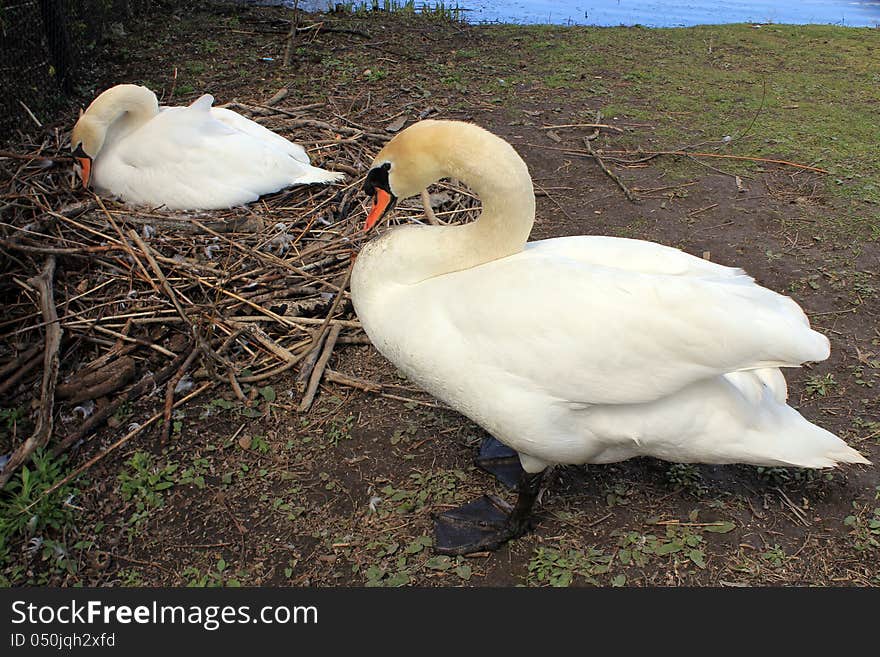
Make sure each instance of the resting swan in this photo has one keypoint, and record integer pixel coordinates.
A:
(185, 158)
(576, 349)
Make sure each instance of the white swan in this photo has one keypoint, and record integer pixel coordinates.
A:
(183, 158)
(576, 349)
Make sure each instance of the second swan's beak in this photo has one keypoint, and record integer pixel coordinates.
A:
(382, 203)
(85, 170)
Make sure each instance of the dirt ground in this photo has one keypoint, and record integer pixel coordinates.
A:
(343, 495)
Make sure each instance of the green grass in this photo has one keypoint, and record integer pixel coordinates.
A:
(38, 523)
(812, 91)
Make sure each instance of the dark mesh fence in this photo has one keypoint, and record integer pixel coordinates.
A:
(44, 46)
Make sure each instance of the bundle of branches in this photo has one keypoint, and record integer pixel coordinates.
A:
(106, 304)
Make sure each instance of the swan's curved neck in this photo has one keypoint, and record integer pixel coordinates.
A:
(123, 108)
(500, 178)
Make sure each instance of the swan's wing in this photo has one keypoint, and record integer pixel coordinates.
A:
(257, 131)
(636, 256)
(186, 158)
(598, 335)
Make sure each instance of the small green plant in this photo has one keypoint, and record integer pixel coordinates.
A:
(775, 556)
(29, 513)
(339, 428)
(215, 577)
(554, 567)
(143, 484)
(686, 476)
(865, 525)
(820, 384)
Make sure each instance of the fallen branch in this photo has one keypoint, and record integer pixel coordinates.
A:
(318, 371)
(172, 386)
(18, 367)
(43, 430)
(608, 172)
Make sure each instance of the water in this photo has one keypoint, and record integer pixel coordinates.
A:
(656, 13)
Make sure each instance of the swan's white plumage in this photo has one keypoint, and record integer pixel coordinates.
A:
(198, 157)
(592, 349)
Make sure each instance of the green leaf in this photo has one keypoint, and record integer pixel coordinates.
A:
(698, 558)
(721, 527)
(619, 580)
(268, 393)
(439, 562)
(625, 557)
(464, 571)
(667, 548)
(397, 579)
(221, 565)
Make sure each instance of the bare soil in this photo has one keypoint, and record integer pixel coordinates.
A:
(343, 495)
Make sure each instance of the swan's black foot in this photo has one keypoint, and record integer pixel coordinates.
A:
(498, 459)
(475, 527)
(487, 523)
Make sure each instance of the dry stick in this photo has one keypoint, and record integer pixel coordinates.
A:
(318, 372)
(16, 369)
(288, 49)
(608, 172)
(43, 430)
(158, 271)
(131, 434)
(169, 391)
(429, 211)
(596, 126)
(328, 321)
(718, 155)
(145, 385)
(376, 388)
(305, 372)
(266, 257)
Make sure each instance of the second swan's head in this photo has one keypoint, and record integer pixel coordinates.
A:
(423, 154)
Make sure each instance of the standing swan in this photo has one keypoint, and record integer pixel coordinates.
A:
(185, 158)
(576, 349)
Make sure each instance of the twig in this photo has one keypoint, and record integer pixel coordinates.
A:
(608, 172)
(20, 366)
(43, 430)
(145, 385)
(429, 211)
(597, 126)
(318, 372)
(131, 434)
(169, 391)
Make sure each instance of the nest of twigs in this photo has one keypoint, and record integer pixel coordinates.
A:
(107, 304)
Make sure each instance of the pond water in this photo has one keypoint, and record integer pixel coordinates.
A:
(653, 13)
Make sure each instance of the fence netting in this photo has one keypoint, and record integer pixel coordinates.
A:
(44, 53)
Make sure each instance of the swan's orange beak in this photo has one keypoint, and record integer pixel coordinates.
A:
(85, 169)
(381, 205)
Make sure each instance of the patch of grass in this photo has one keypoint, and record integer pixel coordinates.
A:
(686, 476)
(44, 522)
(556, 567)
(339, 428)
(218, 576)
(143, 484)
(811, 91)
(864, 525)
(820, 384)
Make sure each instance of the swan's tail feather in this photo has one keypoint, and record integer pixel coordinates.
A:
(799, 443)
(313, 175)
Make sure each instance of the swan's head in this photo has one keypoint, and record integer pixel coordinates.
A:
(420, 155)
(86, 142)
(87, 139)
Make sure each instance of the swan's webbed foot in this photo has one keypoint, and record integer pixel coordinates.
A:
(499, 460)
(486, 523)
